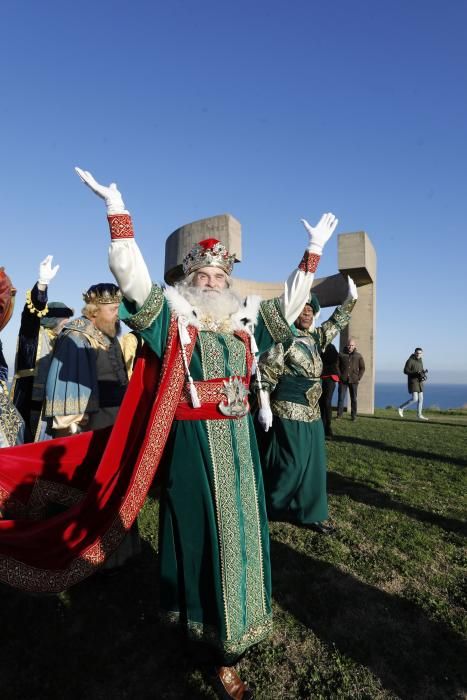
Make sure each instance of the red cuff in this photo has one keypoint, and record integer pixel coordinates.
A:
(309, 262)
(120, 226)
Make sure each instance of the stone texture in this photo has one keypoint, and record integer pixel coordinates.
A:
(226, 228)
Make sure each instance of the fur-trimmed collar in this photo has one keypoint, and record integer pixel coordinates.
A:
(242, 319)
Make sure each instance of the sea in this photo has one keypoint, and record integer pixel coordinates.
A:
(434, 395)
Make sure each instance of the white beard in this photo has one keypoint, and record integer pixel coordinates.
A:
(216, 304)
(223, 312)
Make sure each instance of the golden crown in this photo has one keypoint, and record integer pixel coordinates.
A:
(207, 253)
(104, 293)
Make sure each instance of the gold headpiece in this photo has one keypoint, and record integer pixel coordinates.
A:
(208, 253)
(103, 293)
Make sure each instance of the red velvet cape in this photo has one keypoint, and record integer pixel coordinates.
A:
(98, 479)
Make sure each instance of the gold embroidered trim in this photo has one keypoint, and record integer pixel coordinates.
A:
(238, 529)
(297, 411)
(32, 309)
(10, 420)
(274, 320)
(210, 635)
(208, 392)
(150, 310)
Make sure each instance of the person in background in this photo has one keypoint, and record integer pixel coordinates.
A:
(416, 377)
(329, 377)
(351, 371)
(41, 323)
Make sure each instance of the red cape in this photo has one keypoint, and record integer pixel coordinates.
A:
(98, 480)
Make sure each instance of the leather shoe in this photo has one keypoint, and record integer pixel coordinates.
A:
(228, 684)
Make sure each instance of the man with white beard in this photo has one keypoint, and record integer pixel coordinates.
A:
(213, 532)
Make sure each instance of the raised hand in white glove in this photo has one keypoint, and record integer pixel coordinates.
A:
(46, 271)
(112, 197)
(321, 233)
(352, 292)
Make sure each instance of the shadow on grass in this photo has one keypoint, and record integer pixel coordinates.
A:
(405, 452)
(413, 656)
(433, 420)
(101, 640)
(338, 484)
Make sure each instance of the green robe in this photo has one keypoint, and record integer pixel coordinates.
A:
(213, 530)
(293, 450)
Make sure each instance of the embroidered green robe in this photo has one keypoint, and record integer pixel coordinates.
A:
(293, 450)
(213, 531)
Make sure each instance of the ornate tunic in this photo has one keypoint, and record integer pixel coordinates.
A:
(214, 546)
(87, 376)
(294, 460)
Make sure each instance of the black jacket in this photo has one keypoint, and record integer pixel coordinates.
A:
(351, 366)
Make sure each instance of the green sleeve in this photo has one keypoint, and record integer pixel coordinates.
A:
(326, 333)
(271, 326)
(271, 365)
(151, 321)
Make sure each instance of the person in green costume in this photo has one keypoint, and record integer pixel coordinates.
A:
(213, 531)
(293, 446)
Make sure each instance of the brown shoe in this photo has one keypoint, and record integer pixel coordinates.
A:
(228, 684)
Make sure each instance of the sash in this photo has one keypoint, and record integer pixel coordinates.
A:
(98, 479)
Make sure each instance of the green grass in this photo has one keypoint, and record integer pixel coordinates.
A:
(376, 611)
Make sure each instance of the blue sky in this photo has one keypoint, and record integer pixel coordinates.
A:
(268, 110)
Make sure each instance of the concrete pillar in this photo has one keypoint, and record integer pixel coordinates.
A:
(226, 228)
(357, 258)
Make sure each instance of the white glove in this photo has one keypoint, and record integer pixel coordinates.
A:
(321, 233)
(111, 195)
(46, 271)
(264, 413)
(265, 418)
(352, 293)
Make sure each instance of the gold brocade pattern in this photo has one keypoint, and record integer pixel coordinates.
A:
(237, 359)
(212, 356)
(208, 392)
(210, 635)
(150, 310)
(242, 586)
(298, 411)
(43, 493)
(274, 320)
(255, 594)
(10, 420)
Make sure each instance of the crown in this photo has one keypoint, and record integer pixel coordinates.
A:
(207, 253)
(103, 293)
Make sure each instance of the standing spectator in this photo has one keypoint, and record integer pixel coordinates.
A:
(351, 371)
(329, 377)
(416, 376)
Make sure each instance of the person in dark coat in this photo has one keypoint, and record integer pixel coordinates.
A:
(416, 376)
(351, 370)
(329, 377)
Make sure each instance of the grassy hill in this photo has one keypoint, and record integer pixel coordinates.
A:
(375, 611)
